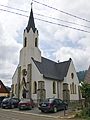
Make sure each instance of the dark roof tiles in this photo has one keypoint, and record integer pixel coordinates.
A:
(53, 70)
(31, 23)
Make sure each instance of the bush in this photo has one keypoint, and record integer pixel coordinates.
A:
(85, 112)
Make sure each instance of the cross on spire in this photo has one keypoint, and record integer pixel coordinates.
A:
(31, 4)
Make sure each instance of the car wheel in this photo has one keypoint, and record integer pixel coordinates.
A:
(54, 109)
(2, 107)
(30, 107)
(66, 107)
(12, 106)
(42, 110)
(19, 108)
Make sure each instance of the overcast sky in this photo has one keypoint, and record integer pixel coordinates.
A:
(55, 42)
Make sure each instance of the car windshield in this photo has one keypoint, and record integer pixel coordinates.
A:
(6, 99)
(48, 100)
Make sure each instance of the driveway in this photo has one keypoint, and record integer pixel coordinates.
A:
(37, 112)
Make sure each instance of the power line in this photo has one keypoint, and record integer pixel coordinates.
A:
(13, 8)
(62, 11)
(63, 25)
(48, 21)
(62, 20)
(46, 16)
(13, 12)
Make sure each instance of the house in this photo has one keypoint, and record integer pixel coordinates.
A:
(37, 77)
(87, 76)
(4, 91)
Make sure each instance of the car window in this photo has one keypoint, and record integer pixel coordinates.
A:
(50, 100)
(13, 100)
(60, 101)
(56, 101)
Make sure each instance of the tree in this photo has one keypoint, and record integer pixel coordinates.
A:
(85, 90)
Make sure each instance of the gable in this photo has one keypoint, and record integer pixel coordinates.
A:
(3, 89)
(51, 69)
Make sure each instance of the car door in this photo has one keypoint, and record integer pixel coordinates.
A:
(61, 105)
(57, 104)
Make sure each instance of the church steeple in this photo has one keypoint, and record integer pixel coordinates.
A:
(31, 23)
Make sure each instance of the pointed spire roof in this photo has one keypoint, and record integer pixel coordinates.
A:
(31, 23)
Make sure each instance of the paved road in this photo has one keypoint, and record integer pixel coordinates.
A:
(15, 114)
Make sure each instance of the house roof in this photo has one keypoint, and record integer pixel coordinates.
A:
(51, 69)
(3, 88)
(31, 23)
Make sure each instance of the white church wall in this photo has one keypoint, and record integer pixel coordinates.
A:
(14, 80)
(49, 88)
(60, 89)
(36, 76)
(69, 80)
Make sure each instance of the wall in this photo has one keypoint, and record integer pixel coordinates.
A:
(14, 82)
(36, 76)
(69, 80)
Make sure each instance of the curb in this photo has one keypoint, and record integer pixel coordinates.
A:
(67, 117)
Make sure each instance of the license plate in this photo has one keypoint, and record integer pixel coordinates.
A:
(22, 105)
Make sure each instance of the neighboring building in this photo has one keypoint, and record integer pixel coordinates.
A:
(4, 91)
(38, 77)
(87, 76)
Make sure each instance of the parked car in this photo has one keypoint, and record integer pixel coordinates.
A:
(52, 104)
(1, 99)
(10, 103)
(26, 104)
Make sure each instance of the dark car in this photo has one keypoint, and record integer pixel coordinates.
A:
(10, 103)
(1, 99)
(52, 104)
(26, 104)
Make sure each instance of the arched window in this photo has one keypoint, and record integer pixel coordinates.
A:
(75, 90)
(25, 42)
(72, 87)
(36, 42)
(35, 87)
(72, 75)
(54, 87)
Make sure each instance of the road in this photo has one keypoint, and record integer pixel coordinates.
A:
(14, 114)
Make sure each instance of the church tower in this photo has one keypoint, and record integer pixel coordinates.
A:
(30, 50)
(30, 43)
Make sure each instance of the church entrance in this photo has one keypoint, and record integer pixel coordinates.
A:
(41, 92)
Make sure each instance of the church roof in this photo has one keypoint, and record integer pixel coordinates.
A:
(51, 69)
(31, 23)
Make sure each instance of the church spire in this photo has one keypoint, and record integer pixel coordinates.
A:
(31, 23)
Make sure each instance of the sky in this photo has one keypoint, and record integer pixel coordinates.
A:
(55, 42)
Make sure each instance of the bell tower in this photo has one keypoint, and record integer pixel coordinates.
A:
(30, 43)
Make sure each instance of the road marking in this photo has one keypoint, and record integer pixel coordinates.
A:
(32, 114)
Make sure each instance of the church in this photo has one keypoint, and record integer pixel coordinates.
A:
(37, 77)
